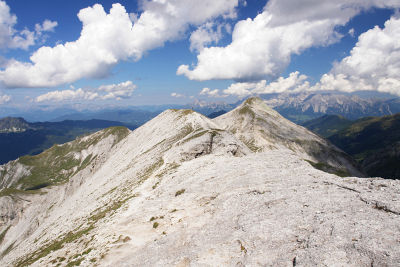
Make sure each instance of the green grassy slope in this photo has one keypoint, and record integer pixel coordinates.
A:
(374, 142)
(368, 134)
(327, 125)
(57, 164)
(40, 136)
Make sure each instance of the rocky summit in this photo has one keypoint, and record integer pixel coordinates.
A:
(248, 188)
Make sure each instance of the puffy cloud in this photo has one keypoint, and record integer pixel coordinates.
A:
(47, 26)
(205, 35)
(294, 83)
(211, 93)
(177, 95)
(118, 91)
(104, 92)
(262, 47)
(12, 38)
(373, 64)
(109, 38)
(66, 95)
(4, 99)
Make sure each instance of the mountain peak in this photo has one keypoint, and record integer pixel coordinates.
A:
(255, 102)
(257, 105)
(252, 100)
(13, 125)
(261, 128)
(178, 118)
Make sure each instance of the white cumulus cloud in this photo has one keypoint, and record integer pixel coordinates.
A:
(107, 38)
(104, 92)
(373, 64)
(293, 83)
(206, 34)
(262, 47)
(46, 26)
(12, 38)
(211, 93)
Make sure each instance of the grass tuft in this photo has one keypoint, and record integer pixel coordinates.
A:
(180, 192)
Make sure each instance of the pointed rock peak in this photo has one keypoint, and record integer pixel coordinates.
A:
(172, 124)
(183, 116)
(253, 101)
(256, 103)
(170, 115)
(183, 112)
(255, 106)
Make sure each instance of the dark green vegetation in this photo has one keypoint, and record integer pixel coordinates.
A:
(57, 164)
(329, 169)
(327, 125)
(374, 142)
(297, 118)
(3, 234)
(216, 114)
(13, 191)
(33, 138)
(179, 192)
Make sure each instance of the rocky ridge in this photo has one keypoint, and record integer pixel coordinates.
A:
(185, 190)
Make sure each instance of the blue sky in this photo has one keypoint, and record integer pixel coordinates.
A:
(213, 50)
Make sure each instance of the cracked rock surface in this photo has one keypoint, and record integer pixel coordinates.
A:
(260, 212)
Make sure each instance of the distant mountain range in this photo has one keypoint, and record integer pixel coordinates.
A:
(127, 116)
(141, 115)
(19, 137)
(305, 106)
(298, 108)
(134, 115)
(374, 142)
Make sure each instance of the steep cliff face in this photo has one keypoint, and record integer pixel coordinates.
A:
(186, 190)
